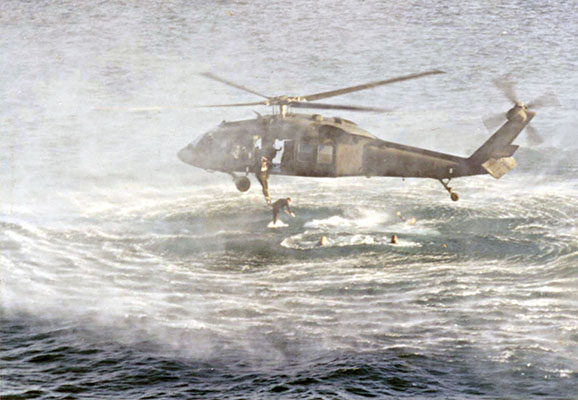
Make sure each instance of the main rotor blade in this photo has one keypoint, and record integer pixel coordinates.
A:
(144, 108)
(229, 83)
(255, 103)
(534, 138)
(322, 106)
(507, 87)
(546, 100)
(339, 92)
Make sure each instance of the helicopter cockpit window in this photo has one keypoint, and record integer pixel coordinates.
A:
(204, 140)
(325, 154)
(197, 140)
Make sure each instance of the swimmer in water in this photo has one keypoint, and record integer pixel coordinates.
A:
(410, 221)
(323, 241)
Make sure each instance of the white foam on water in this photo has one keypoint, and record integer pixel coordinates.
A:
(358, 220)
(278, 224)
(309, 240)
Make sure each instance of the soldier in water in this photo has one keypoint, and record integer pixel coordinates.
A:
(281, 204)
(410, 221)
(322, 242)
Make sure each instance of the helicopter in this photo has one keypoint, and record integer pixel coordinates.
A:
(312, 145)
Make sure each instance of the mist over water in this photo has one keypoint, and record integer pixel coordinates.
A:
(125, 273)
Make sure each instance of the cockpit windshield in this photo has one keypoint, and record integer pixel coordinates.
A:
(205, 140)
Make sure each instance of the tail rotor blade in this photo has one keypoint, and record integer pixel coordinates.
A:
(507, 87)
(546, 100)
(534, 138)
(493, 121)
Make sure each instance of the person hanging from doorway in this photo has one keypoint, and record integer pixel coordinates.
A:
(268, 149)
(262, 175)
(281, 204)
(270, 153)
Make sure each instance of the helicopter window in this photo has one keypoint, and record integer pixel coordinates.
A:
(325, 154)
(305, 152)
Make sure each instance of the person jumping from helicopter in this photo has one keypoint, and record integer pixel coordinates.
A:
(281, 204)
(271, 153)
(264, 165)
(262, 175)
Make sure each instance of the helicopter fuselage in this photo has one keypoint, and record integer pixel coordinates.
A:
(316, 146)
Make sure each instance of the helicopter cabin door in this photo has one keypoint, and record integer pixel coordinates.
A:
(326, 158)
(312, 158)
(288, 157)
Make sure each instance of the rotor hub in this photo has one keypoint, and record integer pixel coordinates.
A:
(284, 100)
(517, 113)
(521, 105)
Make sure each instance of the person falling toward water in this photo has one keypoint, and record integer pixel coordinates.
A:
(264, 165)
(262, 175)
(281, 204)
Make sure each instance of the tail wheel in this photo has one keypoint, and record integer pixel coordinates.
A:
(242, 183)
(453, 195)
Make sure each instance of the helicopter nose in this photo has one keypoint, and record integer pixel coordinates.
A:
(187, 155)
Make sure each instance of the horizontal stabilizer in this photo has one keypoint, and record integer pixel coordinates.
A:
(506, 151)
(498, 167)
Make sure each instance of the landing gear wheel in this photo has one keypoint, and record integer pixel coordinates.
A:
(242, 183)
(453, 195)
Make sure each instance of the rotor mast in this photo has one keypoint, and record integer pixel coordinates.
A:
(284, 103)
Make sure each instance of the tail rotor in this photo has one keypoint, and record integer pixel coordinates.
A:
(507, 87)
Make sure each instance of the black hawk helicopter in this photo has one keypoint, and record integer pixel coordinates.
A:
(287, 143)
